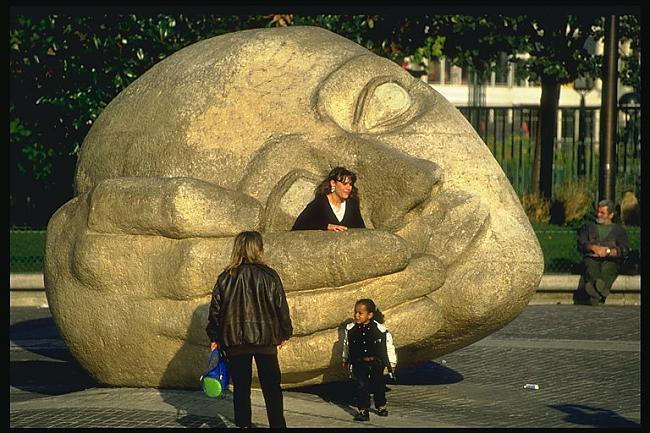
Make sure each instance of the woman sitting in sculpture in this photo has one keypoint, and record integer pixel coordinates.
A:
(335, 205)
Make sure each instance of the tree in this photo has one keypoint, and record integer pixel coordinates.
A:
(630, 31)
(474, 43)
(558, 55)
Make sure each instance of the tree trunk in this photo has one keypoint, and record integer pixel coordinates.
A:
(542, 180)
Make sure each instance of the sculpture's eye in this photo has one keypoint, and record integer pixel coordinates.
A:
(380, 105)
(370, 95)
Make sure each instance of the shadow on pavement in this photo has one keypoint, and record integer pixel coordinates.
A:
(49, 377)
(593, 416)
(58, 374)
(185, 403)
(427, 373)
(28, 333)
(343, 393)
(185, 367)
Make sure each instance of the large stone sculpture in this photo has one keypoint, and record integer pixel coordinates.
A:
(234, 133)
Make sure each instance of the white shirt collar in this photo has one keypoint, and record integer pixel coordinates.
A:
(340, 212)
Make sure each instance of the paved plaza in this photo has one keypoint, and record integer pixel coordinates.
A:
(585, 360)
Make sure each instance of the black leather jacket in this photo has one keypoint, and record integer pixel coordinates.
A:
(249, 307)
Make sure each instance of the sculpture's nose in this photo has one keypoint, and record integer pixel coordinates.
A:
(393, 182)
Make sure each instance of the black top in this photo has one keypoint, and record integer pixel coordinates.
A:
(367, 340)
(318, 214)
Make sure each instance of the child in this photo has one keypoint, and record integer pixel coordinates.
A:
(368, 348)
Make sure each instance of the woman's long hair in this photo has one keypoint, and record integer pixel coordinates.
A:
(338, 174)
(247, 246)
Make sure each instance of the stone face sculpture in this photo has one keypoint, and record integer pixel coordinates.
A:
(234, 133)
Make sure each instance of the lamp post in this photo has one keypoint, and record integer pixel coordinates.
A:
(583, 86)
(608, 120)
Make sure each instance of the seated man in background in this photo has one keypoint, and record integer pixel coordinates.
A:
(604, 245)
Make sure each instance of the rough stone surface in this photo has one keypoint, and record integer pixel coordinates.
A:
(233, 133)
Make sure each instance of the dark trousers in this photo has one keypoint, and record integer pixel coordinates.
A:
(370, 379)
(268, 370)
(600, 269)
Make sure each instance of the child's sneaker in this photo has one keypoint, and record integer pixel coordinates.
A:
(362, 415)
(382, 411)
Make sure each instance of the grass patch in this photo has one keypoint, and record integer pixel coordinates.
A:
(26, 249)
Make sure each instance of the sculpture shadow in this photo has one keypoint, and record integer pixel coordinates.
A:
(186, 403)
(427, 373)
(193, 407)
(59, 373)
(593, 416)
(34, 330)
(343, 392)
(49, 377)
(336, 389)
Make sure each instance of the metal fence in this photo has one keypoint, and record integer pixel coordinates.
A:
(510, 133)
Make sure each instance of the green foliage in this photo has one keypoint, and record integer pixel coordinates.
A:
(630, 30)
(475, 42)
(353, 27)
(557, 45)
(26, 250)
(432, 49)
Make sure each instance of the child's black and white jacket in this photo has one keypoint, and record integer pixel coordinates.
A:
(371, 340)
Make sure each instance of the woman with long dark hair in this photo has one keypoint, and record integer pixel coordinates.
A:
(249, 317)
(335, 205)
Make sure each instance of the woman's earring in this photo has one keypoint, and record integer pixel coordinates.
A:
(332, 189)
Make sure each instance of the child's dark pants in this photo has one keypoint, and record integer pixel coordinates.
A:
(370, 379)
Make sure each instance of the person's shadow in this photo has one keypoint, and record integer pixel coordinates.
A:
(593, 416)
(337, 388)
(193, 407)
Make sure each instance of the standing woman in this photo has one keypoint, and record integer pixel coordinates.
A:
(249, 317)
(335, 205)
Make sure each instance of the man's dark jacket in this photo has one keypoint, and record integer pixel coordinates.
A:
(249, 308)
(318, 214)
(616, 238)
